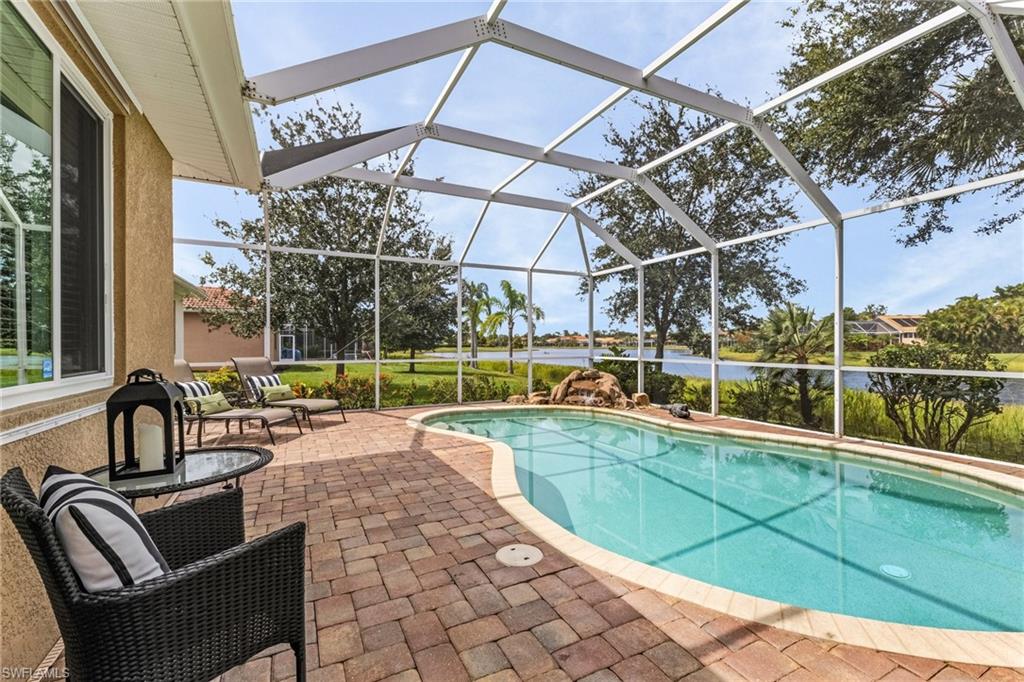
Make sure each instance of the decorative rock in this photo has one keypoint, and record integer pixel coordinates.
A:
(591, 388)
(516, 400)
(537, 400)
(539, 394)
(642, 400)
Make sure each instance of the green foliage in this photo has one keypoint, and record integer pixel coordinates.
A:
(696, 393)
(792, 334)
(506, 311)
(730, 187)
(936, 113)
(224, 380)
(477, 304)
(778, 396)
(992, 325)
(352, 392)
(474, 389)
(935, 411)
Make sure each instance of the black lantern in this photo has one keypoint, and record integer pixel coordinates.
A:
(145, 388)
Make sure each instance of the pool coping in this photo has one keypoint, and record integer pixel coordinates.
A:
(1004, 649)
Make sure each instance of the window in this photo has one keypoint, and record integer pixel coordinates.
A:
(81, 236)
(55, 319)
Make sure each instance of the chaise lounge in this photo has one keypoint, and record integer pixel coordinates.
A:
(200, 413)
(258, 371)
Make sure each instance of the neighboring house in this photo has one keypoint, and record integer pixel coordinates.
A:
(212, 347)
(899, 328)
(127, 95)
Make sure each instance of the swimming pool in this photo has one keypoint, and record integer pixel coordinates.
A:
(796, 525)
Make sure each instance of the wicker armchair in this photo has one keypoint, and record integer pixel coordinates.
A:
(223, 601)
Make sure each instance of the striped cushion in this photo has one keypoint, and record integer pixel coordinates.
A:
(194, 389)
(102, 536)
(267, 380)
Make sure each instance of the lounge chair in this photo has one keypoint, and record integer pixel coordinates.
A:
(248, 368)
(265, 416)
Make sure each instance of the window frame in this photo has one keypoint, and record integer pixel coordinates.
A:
(59, 387)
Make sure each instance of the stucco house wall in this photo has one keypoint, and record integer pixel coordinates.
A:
(143, 337)
(206, 346)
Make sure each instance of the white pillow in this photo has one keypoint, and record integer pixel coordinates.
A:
(102, 536)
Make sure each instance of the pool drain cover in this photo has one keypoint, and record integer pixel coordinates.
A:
(519, 555)
(895, 571)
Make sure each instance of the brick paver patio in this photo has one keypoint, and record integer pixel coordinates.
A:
(402, 583)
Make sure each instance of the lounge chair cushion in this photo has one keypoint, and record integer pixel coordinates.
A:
(102, 536)
(194, 389)
(213, 404)
(255, 382)
(282, 392)
(311, 404)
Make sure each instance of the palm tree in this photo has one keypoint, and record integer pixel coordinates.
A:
(506, 312)
(791, 334)
(477, 302)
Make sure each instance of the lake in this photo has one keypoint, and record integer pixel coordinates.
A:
(1012, 393)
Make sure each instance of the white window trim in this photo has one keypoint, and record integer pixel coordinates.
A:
(59, 387)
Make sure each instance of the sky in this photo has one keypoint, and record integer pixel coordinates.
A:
(511, 95)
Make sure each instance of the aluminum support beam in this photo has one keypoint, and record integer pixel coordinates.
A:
(714, 334)
(566, 54)
(1014, 7)
(837, 338)
(608, 238)
(583, 245)
(376, 333)
(529, 332)
(460, 68)
(346, 158)
(458, 335)
(547, 242)
(846, 67)
(1002, 45)
(500, 145)
(640, 328)
(590, 320)
(673, 209)
(797, 172)
(705, 27)
(452, 189)
(472, 234)
(267, 330)
(283, 85)
(384, 223)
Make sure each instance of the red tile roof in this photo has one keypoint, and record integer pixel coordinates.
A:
(217, 298)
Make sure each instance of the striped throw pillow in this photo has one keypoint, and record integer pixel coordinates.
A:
(266, 380)
(194, 389)
(102, 536)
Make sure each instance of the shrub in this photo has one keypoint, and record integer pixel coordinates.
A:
(224, 380)
(696, 393)
(352, 392)
(481, 388)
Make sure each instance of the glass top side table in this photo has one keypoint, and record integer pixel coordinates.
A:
(201, 468)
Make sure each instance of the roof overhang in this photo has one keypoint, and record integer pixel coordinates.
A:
(182, 63)
(185, 289)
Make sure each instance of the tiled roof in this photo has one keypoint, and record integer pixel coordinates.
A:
(217, 298)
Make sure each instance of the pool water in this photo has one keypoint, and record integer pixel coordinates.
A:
(796, 525)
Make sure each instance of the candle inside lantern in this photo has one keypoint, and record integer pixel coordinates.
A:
(151, 447)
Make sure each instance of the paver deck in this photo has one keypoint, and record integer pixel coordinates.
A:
(402, 583)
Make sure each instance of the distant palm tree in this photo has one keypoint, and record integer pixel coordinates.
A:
(791, 334)
(507, 312)
(477, 302)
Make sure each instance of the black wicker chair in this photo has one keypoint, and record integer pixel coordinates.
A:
(224, 600)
